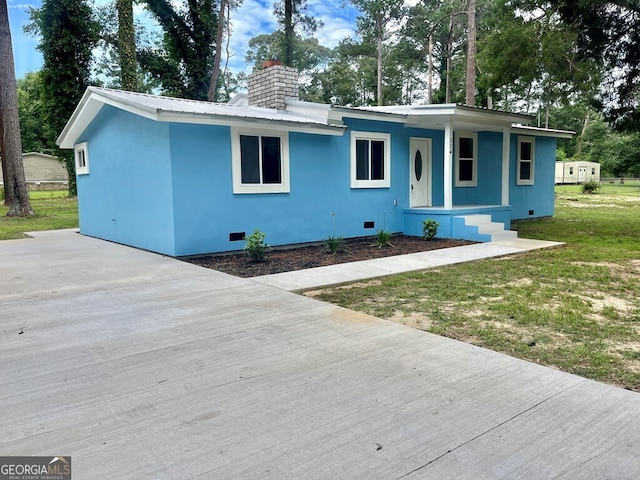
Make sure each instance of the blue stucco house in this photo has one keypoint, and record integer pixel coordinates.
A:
(182, 177)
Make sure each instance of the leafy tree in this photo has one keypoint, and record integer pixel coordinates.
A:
(68, 33)
(529, 55)
(307, 54)
(609, 31)
(294, 25)
(183, 60)
(107, 63)
(34, 128)
(374, 24)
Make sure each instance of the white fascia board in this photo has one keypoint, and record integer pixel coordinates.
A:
(314, 111)
(339, 113)
(84, 113)
(90, 104)
(497, 116)
(270, 124)
(542, 132)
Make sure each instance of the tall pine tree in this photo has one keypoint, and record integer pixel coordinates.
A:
(15, 188)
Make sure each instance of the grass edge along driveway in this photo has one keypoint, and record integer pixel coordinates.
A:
(575, 308)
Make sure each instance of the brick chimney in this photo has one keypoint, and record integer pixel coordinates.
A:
(269, 87)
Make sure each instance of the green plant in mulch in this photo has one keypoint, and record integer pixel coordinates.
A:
(334, 244)
(382, 239)
(429, 229)
(256, 246)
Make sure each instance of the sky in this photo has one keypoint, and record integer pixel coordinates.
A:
(254, 17)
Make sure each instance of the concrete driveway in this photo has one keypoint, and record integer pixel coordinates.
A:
(143, 367)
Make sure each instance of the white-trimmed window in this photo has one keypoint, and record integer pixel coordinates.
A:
(260, 161)
(81, 154)
(526, 160)
(370, 160)
(466, 160)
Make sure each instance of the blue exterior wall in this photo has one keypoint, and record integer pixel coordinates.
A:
(126, 197)
(167, 187)
(538, 198)
(489, 185)
(320, 203)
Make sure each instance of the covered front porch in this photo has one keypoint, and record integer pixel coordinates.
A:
(480, 223)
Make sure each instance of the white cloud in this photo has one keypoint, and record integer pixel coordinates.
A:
(22, 6)
(255, 17)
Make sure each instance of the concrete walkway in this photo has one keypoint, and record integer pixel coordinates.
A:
(144, 367)
(351, 272)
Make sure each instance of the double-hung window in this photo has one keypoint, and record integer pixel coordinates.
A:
(370, 160)
(82, 158)
(466, 160)
(526, 160)
(260, 161)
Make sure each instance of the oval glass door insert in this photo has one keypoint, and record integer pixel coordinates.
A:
(417, 165)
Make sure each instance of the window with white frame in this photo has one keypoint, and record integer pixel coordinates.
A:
(82, 158)
(370, 160)
(260, 161)
(466, 160)
(526, 160)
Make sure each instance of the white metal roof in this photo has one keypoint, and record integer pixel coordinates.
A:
(299, 116)
(181, 110)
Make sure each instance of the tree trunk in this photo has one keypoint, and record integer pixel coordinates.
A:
(217, 59)
(471, 53)
(430, 71)
(379, 35)
(15, 188)
(127, 46)
(447, 93)
(585, 124)
(288, 33)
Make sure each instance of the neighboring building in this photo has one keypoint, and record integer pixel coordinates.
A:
(42, 168)
(183, 177)
(577, 172)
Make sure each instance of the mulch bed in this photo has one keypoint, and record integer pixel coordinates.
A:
(298, 258)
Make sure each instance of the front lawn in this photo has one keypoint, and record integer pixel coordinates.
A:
(54, 210)
(576, 308)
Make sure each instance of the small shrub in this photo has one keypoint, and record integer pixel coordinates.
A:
(429, 229)
(256, 247)
(590, 187)
(334, 244)
(382, 239)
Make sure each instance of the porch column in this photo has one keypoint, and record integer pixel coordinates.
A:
(506, 153)
(448, 166)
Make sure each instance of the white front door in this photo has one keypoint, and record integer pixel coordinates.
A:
(582, 174)
(420, 175)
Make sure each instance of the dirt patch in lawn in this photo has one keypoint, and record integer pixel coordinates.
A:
(309, 256)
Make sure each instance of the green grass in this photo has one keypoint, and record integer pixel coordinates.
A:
(576, 308)
(54, 210)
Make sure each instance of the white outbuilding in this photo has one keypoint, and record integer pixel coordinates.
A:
(577, 172)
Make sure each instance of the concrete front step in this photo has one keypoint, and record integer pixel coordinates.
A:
(485, 226)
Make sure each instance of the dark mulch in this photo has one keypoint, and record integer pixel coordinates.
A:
(298, 258)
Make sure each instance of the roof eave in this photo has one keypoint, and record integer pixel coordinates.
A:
(239, 120)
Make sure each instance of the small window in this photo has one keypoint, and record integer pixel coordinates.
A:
(260, 162)
(82, 159)
(593, 171)
(526, 160)
(370, 160)
(467, 160)
(570, 170)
